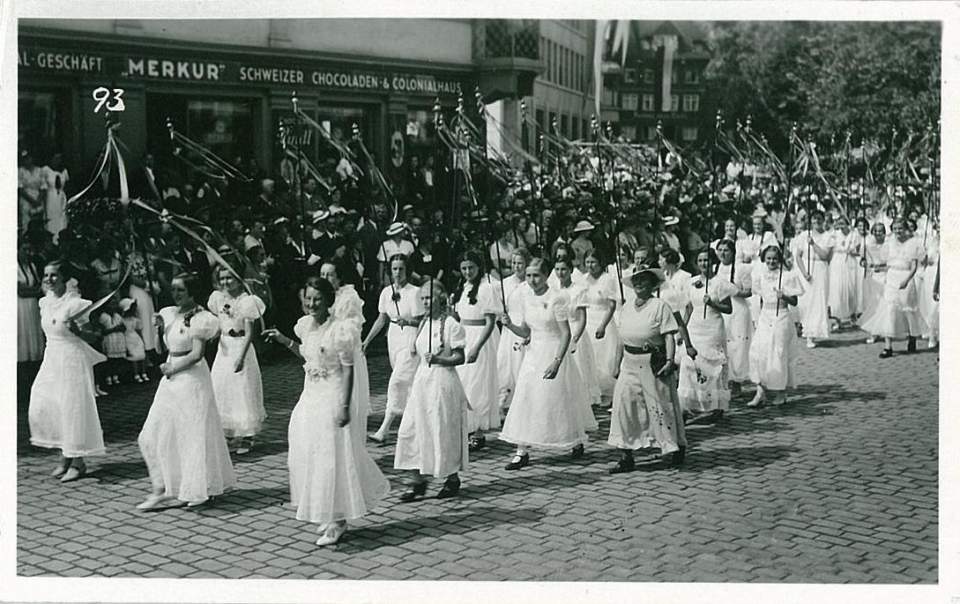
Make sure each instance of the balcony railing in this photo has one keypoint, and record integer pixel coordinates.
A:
(506, 38)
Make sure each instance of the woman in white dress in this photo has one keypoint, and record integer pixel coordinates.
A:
(738, 325)
(182, 439)
(602, 296)
(477, 306)
(432, 439)
(876, 275)
(773, 350)
(399, 305)
(673, 291)
(580, 352)
(332, 477)
(511, 349)
(929, 305)
(56, 177)
(842, 294)
(236, 373)
(898, 313)
(703, 388)
(748, 250)
(63, 409)
(646, 411)
(814, 250)
(855, 245)
(543, 413)
(29, 331)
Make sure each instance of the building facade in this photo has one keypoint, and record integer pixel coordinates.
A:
(660, 80)
(229, 84)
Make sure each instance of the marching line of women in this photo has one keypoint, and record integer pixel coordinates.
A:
(534, 355)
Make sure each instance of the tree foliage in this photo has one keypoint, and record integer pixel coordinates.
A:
(827, 77)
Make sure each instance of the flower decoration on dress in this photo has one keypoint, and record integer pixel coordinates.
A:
(315, 372)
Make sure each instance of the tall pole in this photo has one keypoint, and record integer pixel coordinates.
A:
(614, 202)
(298, 184)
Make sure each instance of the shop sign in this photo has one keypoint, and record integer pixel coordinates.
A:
(136, 67)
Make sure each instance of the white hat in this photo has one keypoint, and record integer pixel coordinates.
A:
(250, 242)
(126, 303)
(628, 279)
(670, 221)
(395, 229)
(320, 216)
(281, 220)
(582, 227)
(337, 209)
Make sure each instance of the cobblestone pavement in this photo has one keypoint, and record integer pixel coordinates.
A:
(840, 485)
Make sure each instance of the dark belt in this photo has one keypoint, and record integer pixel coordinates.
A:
(236, 334)
(179, 353)
(473, 322)
(645, 349)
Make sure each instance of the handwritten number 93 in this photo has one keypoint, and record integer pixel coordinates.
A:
(111, 100)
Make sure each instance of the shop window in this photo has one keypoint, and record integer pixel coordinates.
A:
(689, 133)
(646, 102)
(674, 102)
(629, 101)
(691, 76)
(42, 124)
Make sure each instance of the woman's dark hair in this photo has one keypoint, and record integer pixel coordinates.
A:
(727, 243)
(64, 268)
(817, 214)
(670, 255)
(861, 220)
(564, 261)
(543, 264)
(775, 248)
(326, 290)
(401, 257)
(565, 248)
(474, 257)
(711, 255)
(523, 253)
(642, 276)
(597, 255)
(191, 281)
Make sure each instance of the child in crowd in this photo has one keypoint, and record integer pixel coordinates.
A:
(136, 353)
(114, 342)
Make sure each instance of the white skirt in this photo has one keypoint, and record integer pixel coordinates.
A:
(773, 351)
(812, 304)
(588, 388)
(703, 382)
(897, 314)
(842, 297)
(182, 441)
(332, 477)
(738, 327)
(239, 395)
(604, 350)
(63, 409)
(646, 410)
(400, 345)
(433, 432)
(479, 380)
(29, 332)
(145, 312)
(544, 412)
(929, 308)
(509, 357)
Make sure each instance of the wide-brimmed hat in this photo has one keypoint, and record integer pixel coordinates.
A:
(395, 229)
(670, 221)
(582, 227)
(657, 273)
(320, 216)
(281, 220)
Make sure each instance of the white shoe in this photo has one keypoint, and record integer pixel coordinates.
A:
(756, 401)
(99, 391)
(332, 534)
(932, 343)
(871, 340)
(144, 377)
(154, 502)
(811, 343)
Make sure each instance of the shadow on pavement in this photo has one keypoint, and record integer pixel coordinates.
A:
(735, 457)
(370, 538)
(524, 480)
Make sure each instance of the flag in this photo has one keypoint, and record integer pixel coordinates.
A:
(599, 44)
(668, 43)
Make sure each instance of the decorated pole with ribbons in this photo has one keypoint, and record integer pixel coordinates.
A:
(298, 179)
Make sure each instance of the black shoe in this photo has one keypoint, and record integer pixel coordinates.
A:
(477, 442)
(911, 344)
(518, 462)
(577, 452)
(678, 456)
(886, 353)
(450, 489)
(415, 493)
(624, 465)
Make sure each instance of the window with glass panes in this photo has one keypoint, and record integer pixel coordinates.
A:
(691, 103)
(629, 101)
(689, 133)
(646, 102)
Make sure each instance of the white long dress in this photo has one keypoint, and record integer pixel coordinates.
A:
(813, 302)
(400, 342)
(646, 411)
(774, 348)
(703, 382)
(433, 432)
(63, 409)
(854, 245)
(480, 377)
(332, 477)
(239, 394)
(842, 290)
(873, 283)
(29, 330)
(738, 325)
(588, 387)
(543, 413)
(56, 200)
(598, 293)
(673, 291)
(930, 308)
(182, 440)
(898, 313)
(512, 347)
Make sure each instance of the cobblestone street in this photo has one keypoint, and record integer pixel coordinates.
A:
(840, 485)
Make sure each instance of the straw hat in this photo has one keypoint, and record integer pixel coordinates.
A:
(582, 227)
(395, 229)
(320, 216)
(657, 273)
(671, 221)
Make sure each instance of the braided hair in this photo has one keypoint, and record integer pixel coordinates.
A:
(474, 257)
